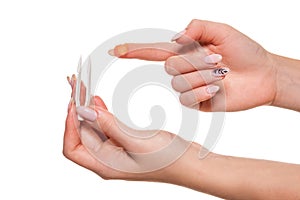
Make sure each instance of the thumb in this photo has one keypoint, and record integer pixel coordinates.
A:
(105, 122)
(205, 32)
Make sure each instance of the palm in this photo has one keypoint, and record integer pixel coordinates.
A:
(250, 82)
(247, 90)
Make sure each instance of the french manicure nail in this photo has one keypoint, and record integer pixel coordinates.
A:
(178, 35)
(213, 58)
(220, 72)
(86, 113)
(111, 52)
(212, 89)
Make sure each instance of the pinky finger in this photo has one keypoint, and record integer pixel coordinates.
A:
(198, 95)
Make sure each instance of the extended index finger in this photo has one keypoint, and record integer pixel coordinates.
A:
(147, 51)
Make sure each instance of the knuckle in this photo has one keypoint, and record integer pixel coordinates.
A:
(194, 21)
(174, 83)
(169, 65)
(180, 83)
(201, 96)
(66, 153)
(107, 174)
(106, 124)
(182, 99)
(226, 26)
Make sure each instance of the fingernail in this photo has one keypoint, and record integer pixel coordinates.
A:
(111, 52)
(213, 58)
(212, 89)
(119, 50)
(178, 35)
(86, 113)
(220, 72)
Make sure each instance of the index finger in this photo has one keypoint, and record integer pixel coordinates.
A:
(148, 51)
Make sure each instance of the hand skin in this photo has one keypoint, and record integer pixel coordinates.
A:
(218, 175)
(287, 83)
(257, 77)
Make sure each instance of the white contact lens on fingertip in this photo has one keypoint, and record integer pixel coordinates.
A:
(220, 72)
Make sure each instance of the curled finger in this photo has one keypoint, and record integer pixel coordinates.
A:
(187, 63)
(189, 81)
(197, 95)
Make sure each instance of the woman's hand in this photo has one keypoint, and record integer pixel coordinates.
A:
(107, 147)
(251, 81)
(104, 145)
(151, 156)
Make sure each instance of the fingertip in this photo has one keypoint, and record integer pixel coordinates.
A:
(99, 102)
(119, 50)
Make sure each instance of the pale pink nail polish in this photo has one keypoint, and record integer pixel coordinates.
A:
(178, 35)
(212, 89)
(86, 113)
(213, 58)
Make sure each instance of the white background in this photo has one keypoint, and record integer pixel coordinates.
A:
(40, 43)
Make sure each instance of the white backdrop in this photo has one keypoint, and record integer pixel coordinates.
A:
(40, 43)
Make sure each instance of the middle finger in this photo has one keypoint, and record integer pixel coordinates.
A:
(189, 81)
(186, 63)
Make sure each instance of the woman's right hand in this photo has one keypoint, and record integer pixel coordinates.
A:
(251, 81)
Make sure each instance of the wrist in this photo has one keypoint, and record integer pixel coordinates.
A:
(190, 171)
(215, 174)
(287, 82)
